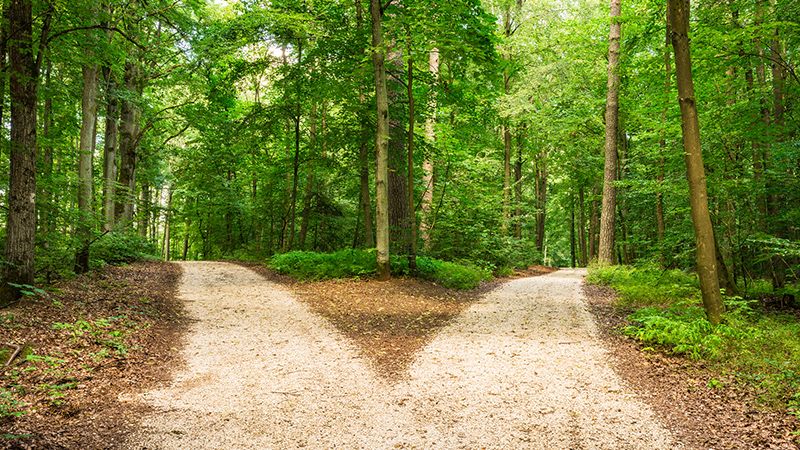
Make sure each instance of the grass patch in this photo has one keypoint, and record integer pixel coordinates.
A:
(361, 263)
(761, 348)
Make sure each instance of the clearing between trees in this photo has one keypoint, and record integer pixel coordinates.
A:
(521, 367)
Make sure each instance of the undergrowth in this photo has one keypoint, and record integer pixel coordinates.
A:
(759, 347)
(361, 263)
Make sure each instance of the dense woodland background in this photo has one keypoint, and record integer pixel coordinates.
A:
(208, 130)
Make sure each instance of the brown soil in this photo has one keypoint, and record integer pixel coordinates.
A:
(678, 389)
(388, 333)
(77, 400)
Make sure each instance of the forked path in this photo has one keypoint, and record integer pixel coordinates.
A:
(522, 368)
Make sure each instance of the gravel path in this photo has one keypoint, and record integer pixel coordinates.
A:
(522, 368)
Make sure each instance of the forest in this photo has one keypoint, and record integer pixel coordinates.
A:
(514, 134)
(655, 142)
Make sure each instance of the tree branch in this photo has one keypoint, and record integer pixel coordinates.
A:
(97, 27)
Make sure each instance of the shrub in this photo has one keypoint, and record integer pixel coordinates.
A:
(647, 285)
(361, 263)
(122, 248)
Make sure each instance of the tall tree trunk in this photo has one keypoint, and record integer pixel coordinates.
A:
(128, 147)
(21, 224)
(518, 186)
(607, 215)
(427, 163)
(308, 192)
(582, 227)
(662, 150)
(110, 150)
(572, 252)
(541, 200)
(363, 152)
(412, 216)
(85, 158)
(594, 224)
(167, 226)
(144, 210)
(366, 202)
(296, 163)
(4, 34)
(506, 129)
(679, 11)
(381, 143)
(46, 208)
(779, 264)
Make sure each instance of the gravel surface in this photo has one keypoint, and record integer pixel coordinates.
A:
(522, 368)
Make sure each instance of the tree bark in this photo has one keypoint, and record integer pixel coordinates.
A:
(21, 224)
(381, 143)
(518, 187)
(541, 200)
(46, 207)
(607, 214)
(110, 150)
(679, 11)
(85, 158)
(412, 216)
(128, 147)
(308, 191)
(582, 227)
(662, 150)
(506, 130)
(427, 164)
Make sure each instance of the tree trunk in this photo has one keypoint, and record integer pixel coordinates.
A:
(167, 227)
(572, 253)
(46, 207)
(412, 216)
(308, 191)
(518, 187)
(363, 153)
(366, 202)
(85, 157)
(21, 223)
(679, 11)
(506, 130)
(541, 200)
(427, 164)
(381, 143)
(662, 150)
(128, 146)
(110, 150)
(143, 213)
(607, 215)
(582, 227)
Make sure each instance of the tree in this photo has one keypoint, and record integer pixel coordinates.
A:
(381, 142)
(608, 213)
(21, 226)
(679, 11)
(85, 159)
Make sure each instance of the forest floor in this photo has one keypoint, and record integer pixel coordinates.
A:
(522, 366)
(88, 344)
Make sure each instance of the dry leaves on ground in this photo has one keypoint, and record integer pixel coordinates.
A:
(94, 339)
(388, 321)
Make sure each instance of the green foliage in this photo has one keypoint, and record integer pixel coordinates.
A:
(758, 347)
(361, 263)
(647, 285)
(10, 404)
(105, 332)
(122, 248)
(323, 266)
